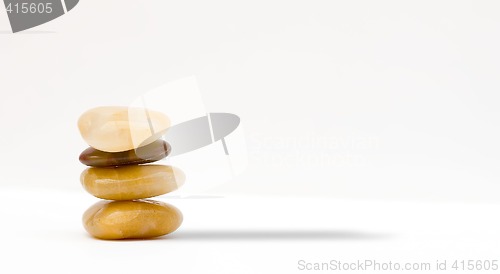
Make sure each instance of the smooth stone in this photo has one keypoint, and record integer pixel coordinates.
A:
(153, 152)
(114, 129)
(131, 182)
(114, 220)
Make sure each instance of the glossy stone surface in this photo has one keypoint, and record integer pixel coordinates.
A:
(113, 220)
(155, 151)
(114, 129)
(131, 182)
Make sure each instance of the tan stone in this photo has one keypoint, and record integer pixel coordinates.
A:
(114, 129)
(113, 220)
(131, 182)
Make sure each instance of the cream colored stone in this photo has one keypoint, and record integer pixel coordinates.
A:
(131, 219)
(131, 182)
(115, 129)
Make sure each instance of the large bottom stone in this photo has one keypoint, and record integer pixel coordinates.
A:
(131, 219)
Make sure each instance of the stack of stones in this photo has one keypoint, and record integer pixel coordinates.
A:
(123, 142)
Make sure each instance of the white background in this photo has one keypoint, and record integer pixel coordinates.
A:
(364, 105)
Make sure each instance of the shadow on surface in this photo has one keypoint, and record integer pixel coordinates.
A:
(264, 235)
(194, 197)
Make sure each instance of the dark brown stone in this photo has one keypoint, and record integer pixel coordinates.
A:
(153, 152)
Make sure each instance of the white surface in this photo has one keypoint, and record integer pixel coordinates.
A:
(42, 233)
